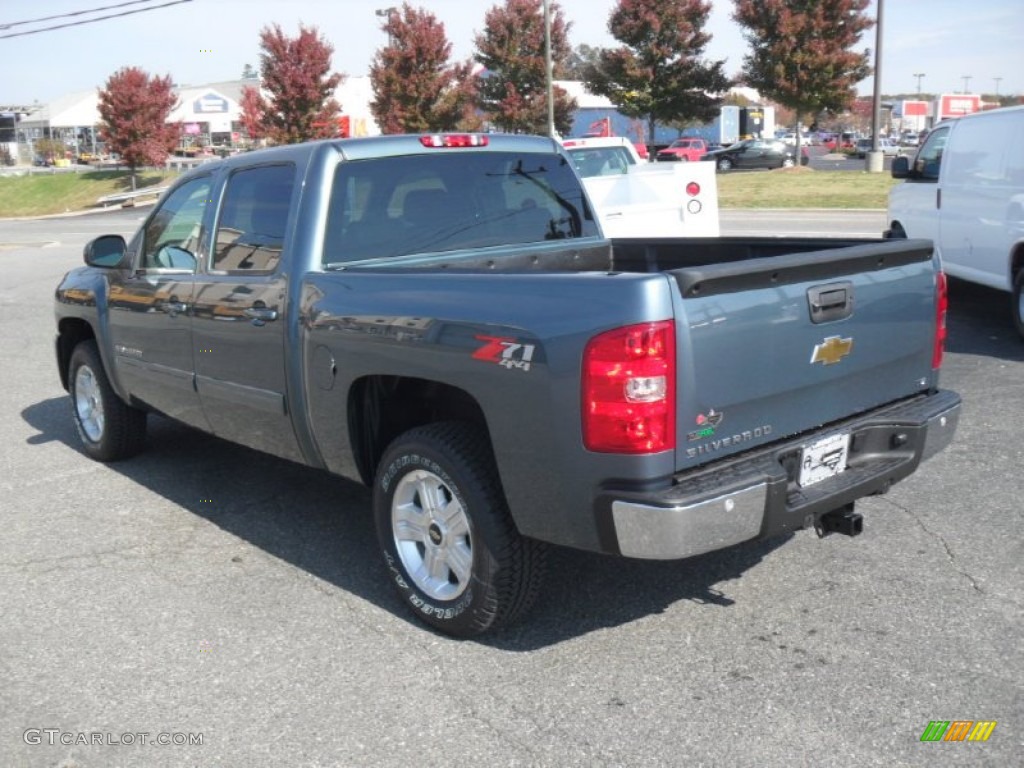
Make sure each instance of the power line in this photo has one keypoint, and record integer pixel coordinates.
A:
(72, 13)
(85, 21)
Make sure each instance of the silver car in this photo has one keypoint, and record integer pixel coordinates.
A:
(888, 147)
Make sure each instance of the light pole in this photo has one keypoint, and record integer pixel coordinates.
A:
(385, 13)
(967, 82)
(547, 70)
(919, 75)
(875, 159)
(997, 79)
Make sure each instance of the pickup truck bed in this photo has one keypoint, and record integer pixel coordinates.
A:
(442, 318)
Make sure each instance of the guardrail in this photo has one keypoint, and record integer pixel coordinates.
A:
(127, 199)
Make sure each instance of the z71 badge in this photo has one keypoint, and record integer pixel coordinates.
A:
(505, 351)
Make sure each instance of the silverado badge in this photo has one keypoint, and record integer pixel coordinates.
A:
(831, 350)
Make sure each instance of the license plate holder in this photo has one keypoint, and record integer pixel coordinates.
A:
(824, 458)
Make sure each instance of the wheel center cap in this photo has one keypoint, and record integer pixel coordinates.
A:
(434, 532)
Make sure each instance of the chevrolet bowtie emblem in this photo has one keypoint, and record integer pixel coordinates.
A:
(831, 350)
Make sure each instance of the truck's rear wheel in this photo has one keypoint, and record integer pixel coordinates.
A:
(450, 545)
(1018, 301)
(109, 428)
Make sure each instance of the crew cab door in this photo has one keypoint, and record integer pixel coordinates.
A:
(149, 306)
(239, 325)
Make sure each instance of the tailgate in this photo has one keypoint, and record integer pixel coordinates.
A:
(772, 347)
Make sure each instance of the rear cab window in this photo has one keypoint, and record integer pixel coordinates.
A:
(397, 206)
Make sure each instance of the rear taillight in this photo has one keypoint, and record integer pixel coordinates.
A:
(439, 140)
(629, 403)
(941, 305)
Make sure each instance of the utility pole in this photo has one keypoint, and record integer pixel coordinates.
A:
(919, 75)
(997, 79)
(967, 82)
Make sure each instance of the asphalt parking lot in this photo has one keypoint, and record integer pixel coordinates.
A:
(203, 590)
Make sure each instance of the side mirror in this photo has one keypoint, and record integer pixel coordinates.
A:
(106, 251)
(901, 167)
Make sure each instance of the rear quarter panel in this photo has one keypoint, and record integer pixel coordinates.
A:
(428, 325)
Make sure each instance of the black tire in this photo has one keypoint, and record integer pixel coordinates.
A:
(1018, 301)
(724, 164)
(108, 427)
(470, 529)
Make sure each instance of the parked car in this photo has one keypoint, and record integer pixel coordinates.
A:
(601, 155)
(757, 153)
(845, 140)
(888, 147)
(685, 149)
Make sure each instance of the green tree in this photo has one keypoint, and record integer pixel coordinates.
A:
(134, 108)
(659, 73)
(296, 76)
(580, 60)
(513, 91)
(415, 86)
(800, 52)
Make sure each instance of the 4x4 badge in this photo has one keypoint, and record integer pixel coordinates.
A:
(831, 350)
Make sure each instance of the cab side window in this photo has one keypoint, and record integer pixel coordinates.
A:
(929, 158)
(172, 235)
(253, 219)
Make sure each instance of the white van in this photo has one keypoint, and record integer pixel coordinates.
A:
(964, 189)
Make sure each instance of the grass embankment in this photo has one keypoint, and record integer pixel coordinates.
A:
(43, 193)
(804, 188)
(39, 194)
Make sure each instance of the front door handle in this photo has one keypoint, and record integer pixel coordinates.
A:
(260, 315)
(174, 308)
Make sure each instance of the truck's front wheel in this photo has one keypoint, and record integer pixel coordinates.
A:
(1018, 301)
(109, 428)
(448, 540)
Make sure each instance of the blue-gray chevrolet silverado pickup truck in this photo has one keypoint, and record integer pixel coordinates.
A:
(440, 317)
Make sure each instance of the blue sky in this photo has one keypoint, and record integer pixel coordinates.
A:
(209, 40)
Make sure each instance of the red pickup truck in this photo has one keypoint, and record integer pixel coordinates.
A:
(690, 149)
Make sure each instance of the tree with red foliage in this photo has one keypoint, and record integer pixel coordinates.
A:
(659, 73)
(134, 108)
(295, 73)
(251, 116)
(513, 91)
(415, 87)
(800, 52)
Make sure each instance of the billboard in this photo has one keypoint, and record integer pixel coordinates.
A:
(956, 105)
